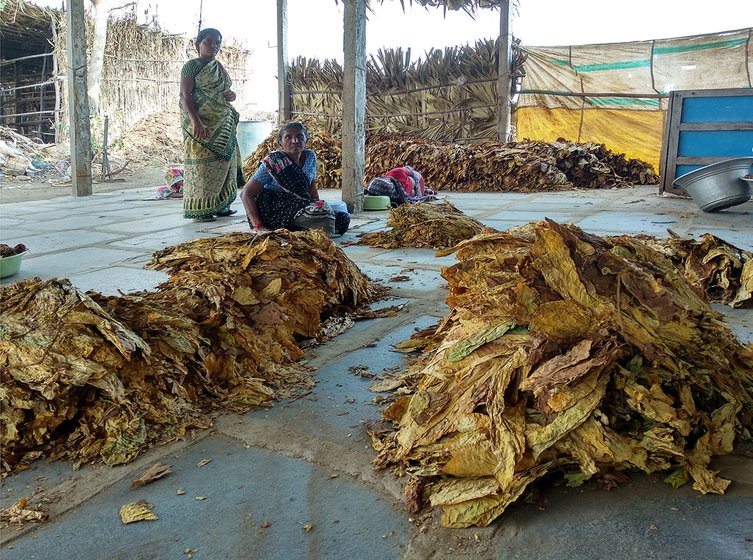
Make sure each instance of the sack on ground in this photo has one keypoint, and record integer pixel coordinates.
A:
(318, 214)
(387, 186)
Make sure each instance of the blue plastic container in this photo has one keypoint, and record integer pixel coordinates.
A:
(251, 134)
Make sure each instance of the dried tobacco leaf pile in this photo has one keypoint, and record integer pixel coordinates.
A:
(487, 166)
(564, 352)
(722, 270)
(88, 376)
(515, 166)
(425, 224)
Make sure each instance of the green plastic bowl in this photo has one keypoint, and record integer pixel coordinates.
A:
(11, 265)
(371, 202)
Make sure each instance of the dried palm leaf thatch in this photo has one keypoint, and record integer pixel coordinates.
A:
(450, 95)
(317, 92)
(425, 224)
(328, 155)
(720, 269)
(565, 352)
(95, 377)
(141, 71)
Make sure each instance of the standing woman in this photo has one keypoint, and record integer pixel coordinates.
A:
(209, 125)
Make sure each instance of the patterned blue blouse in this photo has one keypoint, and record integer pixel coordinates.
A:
(309, 169)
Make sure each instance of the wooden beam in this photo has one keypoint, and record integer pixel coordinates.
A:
(354, 104)
(283, 80)
(504, 71)
(78, 101)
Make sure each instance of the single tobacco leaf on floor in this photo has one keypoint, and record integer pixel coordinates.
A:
(137, 511)
(155, 472)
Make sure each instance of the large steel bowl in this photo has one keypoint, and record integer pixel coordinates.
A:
(719, 185)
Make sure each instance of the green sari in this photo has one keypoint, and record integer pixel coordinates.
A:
(211, 164)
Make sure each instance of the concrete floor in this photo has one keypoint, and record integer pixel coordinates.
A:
(276, 471)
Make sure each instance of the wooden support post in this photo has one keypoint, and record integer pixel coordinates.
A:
(78, 101)
(503, 72)
(354, 104)
(41, 98)
(56, 122)
(283, 80)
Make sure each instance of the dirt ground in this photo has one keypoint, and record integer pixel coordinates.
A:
(49, 185)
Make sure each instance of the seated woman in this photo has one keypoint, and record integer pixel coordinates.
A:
(285, 184)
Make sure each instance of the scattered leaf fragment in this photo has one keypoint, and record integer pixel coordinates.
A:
(203, 463)
(308, 528)
(180, 491)
(155, 472)
(19, 513)
(137, 511)
(265, 525)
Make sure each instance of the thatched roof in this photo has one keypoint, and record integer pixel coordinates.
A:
(469, 6)
(25, 28)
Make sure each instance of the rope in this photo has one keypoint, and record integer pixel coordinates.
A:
(201, 7)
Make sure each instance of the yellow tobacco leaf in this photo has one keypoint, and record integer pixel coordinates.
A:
(137, 511)
(245, 295)
(463, 348)
(540, 438)
(457, 490)
(272, 289)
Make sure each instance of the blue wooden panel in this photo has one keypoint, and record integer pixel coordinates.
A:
(683, 169)
(718, 109)
(715, 143)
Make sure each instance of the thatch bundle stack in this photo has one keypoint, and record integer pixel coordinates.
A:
(141, 71)
(155, 139)
(450, 94)
(437, 226)
(89, 376)
(565, 352)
